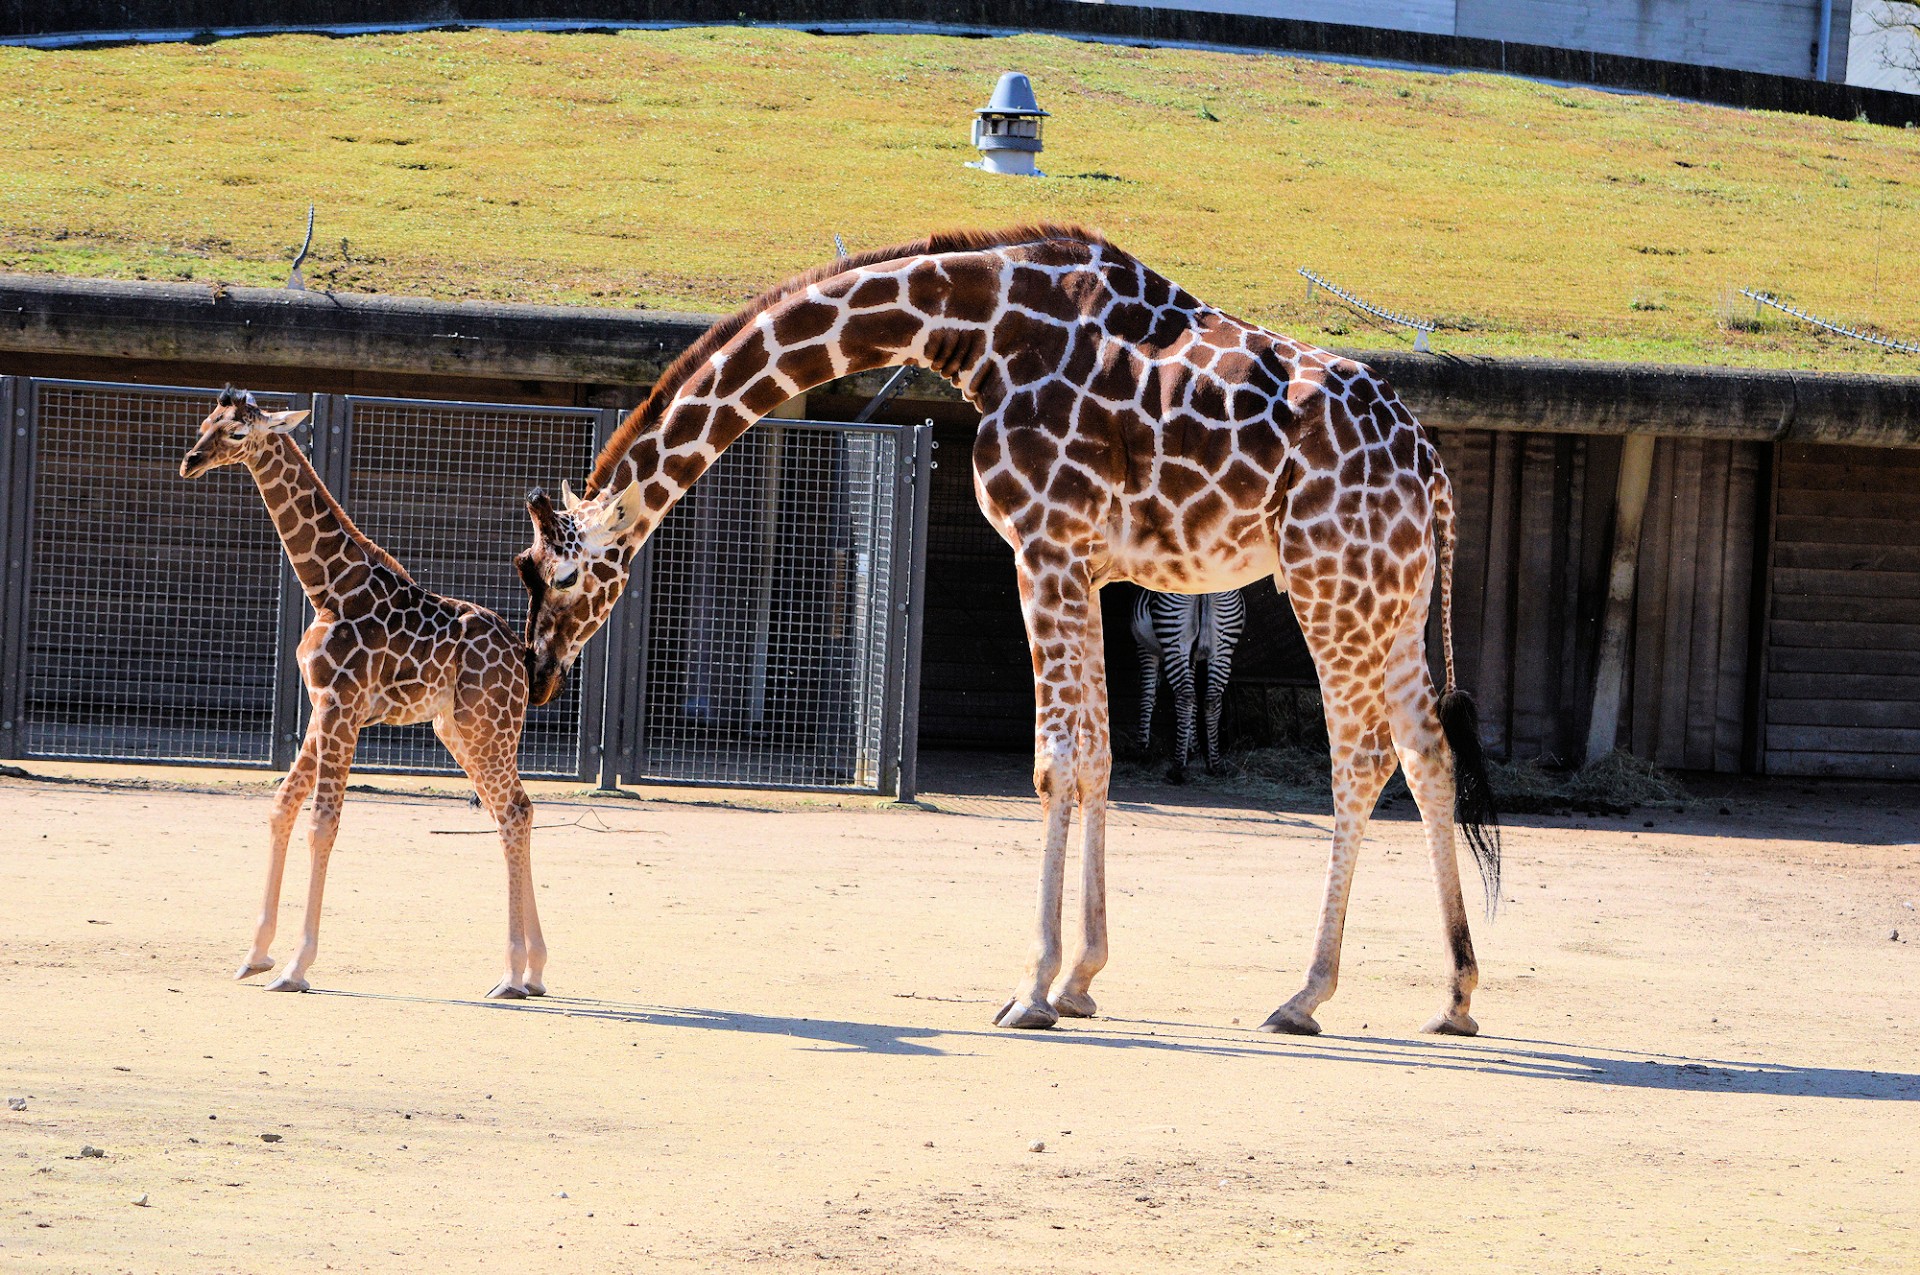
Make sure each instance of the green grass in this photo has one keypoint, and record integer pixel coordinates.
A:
(687, 169)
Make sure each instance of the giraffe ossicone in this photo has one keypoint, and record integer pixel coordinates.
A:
(380, 649)
(1128, 432)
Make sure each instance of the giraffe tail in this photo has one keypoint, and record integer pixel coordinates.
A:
(1473, 808)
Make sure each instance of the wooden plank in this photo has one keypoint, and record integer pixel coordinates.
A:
(1496, 632)
(1645, 665)
(1737, 570)
(1570, 481)
(1819, 659)
(1468, 455)
(1886, 475)
(1676, 646)
(1900, 714)
(1793, 581)
(1535, 648)
(1852, 502)
(1838, 635)
(1834, 607)
(1841, 687)
(1849, 739)
(1848, 765)
(1830, 557)
(1703, 637)
(1900, 532)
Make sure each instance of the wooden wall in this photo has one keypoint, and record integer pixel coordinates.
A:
(1842, 688)
(1535, 529)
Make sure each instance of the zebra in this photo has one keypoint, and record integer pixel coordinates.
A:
(1175, 632)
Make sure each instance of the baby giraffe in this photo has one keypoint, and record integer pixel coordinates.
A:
(380, 650)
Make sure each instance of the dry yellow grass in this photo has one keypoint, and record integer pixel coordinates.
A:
(686, 169)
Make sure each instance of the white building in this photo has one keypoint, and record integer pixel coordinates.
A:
(1836, 40)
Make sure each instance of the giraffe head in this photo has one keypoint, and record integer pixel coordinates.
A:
(574, 573)
(236, 430)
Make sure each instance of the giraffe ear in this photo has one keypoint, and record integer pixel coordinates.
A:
(568, 501)
(285, 422)
(625, 510)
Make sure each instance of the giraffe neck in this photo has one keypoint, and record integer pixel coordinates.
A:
(329, 554)
(937, 311)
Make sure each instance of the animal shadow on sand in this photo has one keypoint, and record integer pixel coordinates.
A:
(1483, 1055)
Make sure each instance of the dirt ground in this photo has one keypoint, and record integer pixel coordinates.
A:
(767, 1043)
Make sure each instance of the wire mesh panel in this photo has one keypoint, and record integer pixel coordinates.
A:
(771, 600)
(151, 602)
(439, 486)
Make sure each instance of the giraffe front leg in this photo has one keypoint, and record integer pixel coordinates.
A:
(1053, 780)
(482, 732)
(1056, 597)
(1094, 758)
(286, 812)
(337, 735)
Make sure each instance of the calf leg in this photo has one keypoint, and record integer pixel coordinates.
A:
(286, 812)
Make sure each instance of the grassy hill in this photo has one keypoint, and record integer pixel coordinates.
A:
(686, 169)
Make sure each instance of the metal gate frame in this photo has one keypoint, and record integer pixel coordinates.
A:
(611, 672)
(624, 758)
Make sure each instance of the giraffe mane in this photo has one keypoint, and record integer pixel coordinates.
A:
(654, 406)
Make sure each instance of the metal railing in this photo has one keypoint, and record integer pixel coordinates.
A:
(1840, 329)
(1422, 328)
(768, 637)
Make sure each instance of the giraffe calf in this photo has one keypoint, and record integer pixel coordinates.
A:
(380, 650)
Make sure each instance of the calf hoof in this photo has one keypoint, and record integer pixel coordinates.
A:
(1452, 1023)
(288, 983)
(505, 991)
(1177, 775)
(1290, 1022)
(250, 968)
(1024, 1017)
(536, 988)
(1074, 1005)
(1216, 768)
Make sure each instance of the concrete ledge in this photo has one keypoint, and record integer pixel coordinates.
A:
(263, 327)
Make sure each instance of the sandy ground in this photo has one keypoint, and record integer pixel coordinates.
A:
(767, 1044)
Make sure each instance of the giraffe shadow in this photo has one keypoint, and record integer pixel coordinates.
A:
(1516, 1058)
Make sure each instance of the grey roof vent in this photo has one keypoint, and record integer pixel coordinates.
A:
(1006, 131)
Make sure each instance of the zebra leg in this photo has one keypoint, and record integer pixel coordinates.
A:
(1148, 647)
(1180, 677)
(1217, 670)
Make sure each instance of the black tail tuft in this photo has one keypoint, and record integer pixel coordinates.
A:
(1473, 808)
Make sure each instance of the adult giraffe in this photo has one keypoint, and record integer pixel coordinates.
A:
(1128, 432)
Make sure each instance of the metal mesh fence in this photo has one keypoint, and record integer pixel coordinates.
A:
(772, 595)
(439, 485)
(152, 602)
(765, 639)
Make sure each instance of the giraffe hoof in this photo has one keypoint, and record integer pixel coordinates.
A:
(1452, 1024)
(1022, 1016)
(251, 968)
(536, 988)
(288, 983)
(505, 991)
(1074, 1005)
(1290, 1022)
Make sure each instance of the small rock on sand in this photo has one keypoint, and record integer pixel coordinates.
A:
(141, 1200)
(92, 1153)
(1036, 1145)
(269, 1137)
(16, 1104)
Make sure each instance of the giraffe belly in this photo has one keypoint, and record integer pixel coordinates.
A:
(1226, 567)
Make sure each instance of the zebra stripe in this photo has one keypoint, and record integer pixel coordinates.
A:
(1176, 632)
